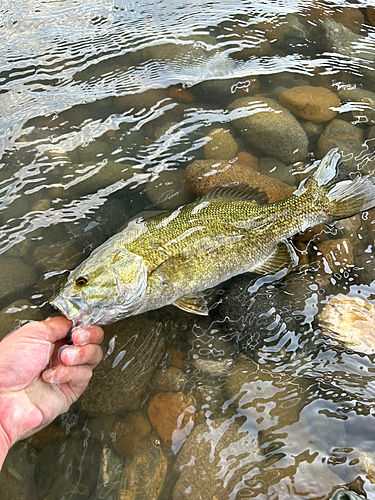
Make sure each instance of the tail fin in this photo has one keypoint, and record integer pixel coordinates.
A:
(340, 198)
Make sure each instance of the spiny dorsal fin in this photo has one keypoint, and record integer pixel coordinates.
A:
(236, 192)
(283, 256)
(193, 303)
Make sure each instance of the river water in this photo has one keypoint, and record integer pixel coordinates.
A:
(103, 105)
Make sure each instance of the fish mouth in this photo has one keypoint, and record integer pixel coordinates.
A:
(72, 309)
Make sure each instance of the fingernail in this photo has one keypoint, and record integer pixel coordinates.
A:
(71, 354)
(84, 336)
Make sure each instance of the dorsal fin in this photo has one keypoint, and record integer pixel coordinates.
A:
(236, 192)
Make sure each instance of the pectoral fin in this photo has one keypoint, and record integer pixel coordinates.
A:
(196, 304)
(283, 256)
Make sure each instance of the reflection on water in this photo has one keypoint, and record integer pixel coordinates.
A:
(103, 107)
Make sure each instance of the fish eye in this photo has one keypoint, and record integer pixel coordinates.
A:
(81, 281)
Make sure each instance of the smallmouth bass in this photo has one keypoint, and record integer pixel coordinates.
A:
(173, 257)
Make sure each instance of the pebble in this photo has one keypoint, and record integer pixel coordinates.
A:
(203, 175)
(351, 321)
(272, 128)
(170, 379)
(180, 94)
(311, 103)
(172, 415)
(169, 190)
(220, 145)
(17, 314)
(129, 432)
(363, 114)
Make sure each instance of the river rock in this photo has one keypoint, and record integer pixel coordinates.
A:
(337, 255)
(129, 433)
(270, 127)
(350, 321)
(272, 167)
(133, 347)
(255, 317)
(17, 481)
(344, 136)
(144, 474)
(365, 113)
(370, 11)
(220, 145)
(172, 415)
(350, 17)
(169, 190)
(247, 160)
(16, 279)
(17, 314)
(214, 460)
(171, 379)
(335, 37)
(204, 175)
(111, 469)
(311, 103)
(90, 177)
(68, 469)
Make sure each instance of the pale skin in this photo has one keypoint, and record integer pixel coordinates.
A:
(37, 382)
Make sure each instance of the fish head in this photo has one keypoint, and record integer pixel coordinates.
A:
(108, 286)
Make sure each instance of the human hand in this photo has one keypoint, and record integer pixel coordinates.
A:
(36, 384)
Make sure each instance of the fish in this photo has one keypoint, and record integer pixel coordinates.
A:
(172, 258)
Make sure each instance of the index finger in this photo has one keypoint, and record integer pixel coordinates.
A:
(51, 329)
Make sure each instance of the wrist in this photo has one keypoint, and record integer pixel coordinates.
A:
(4, 446)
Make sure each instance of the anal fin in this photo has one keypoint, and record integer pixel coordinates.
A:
(193, 303)
(283, 256)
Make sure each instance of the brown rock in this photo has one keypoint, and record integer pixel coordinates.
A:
(203, 175)
(310, 103)
(350, 17)
(247, 160)
(371, 15)
(176, 358)
(220, 145)
(247, 86)
(171, 379)
(181, 94)
(46, 435)
(337, 255)
(172, 416)
(351, 321)
(129, 433)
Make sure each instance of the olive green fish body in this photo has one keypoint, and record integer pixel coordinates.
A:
(173, 257)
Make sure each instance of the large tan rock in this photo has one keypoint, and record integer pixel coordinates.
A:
(204, 175)
(311, 103)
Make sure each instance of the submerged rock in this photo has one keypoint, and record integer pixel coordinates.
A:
(172, 415)
(350, 321)
(16, 278)
(170, 190)
(220, 145)
(134, 347)
(144, 474)
(270, 127)
(17, 314)
(311, 103)
(129, 432)
(363, 102)
(214, 460)
(204, 175)
(170, 379)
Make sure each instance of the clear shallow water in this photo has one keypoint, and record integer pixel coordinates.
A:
(89, 127)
